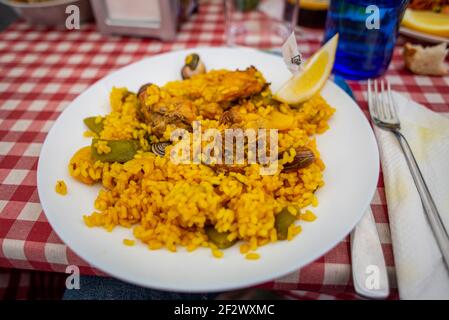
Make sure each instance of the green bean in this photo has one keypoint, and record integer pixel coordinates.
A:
(93, 125)
(220, 239)
(121, 150)
(283, 221)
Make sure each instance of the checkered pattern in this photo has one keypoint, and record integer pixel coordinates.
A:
(18, 284)
(43, 69)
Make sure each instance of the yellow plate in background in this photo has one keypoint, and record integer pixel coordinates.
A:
(427, 22)
(312, 4)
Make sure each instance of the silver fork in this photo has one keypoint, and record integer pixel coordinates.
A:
(383, 113)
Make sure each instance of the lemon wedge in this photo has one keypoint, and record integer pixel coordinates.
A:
(427, 22)
(312, 78)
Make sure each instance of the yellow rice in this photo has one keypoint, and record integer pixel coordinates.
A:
(252, 256)
(128, 242)
(61, 187)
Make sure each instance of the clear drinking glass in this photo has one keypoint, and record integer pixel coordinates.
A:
(259, 23)
(368, 31)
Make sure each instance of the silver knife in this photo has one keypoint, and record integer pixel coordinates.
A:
(369, 271)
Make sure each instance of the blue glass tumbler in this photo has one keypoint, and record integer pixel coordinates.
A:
(368, 31)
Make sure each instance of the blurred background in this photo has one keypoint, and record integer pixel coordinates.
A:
(7, 16)
(368, 29)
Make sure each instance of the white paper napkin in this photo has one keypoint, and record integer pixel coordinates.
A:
(421, 272)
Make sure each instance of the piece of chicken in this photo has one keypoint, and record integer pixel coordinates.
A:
(209, 95)
(158, 111)
(233, 85)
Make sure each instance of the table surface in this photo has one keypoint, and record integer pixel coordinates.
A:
(43, 69)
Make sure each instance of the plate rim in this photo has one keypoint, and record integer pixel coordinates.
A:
(422, 36)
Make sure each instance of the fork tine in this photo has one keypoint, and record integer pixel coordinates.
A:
(378, 99)
(392, 105)
(372, 109)
(381, 106)
(385, 103)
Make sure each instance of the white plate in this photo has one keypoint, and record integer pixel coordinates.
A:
(349, 150)
(422, 36)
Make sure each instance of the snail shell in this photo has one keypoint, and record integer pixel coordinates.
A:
(303, 158)
(193, 66)
(159, 148)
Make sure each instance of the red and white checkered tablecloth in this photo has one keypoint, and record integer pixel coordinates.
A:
(43, 69)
